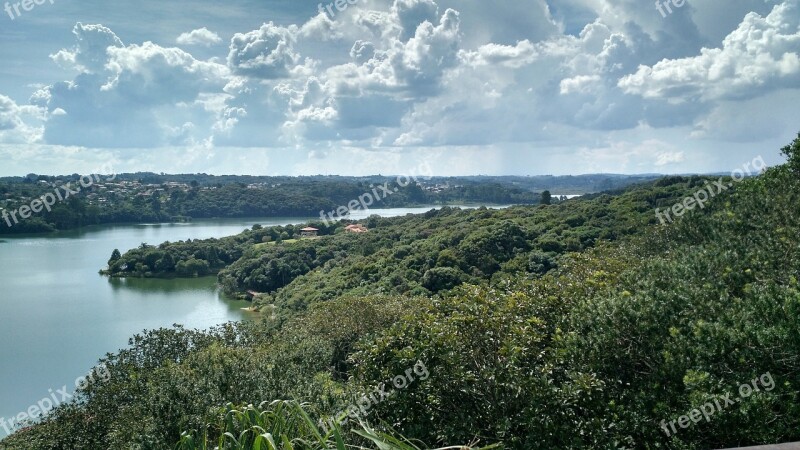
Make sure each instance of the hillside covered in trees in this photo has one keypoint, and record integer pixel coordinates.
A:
(579, 325)
(149, 197)
(414, 255)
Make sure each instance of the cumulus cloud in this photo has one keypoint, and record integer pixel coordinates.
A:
(431, 74)
(152, 74)
(581, 84)
(362, 51)
(252, 114)
(19, 124)
(761, 55)
(412, 13)
(506, 23)
(266, 53)
(356, 101)
(201, 36)
(320, 28)
(130, 96)
(90, 52)
(514, 56)
(414, 68)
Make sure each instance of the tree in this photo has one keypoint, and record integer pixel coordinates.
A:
(165, 264)
(193, 267)
(447, 258)
(212, 256)
(155, 202)
(547, 198)
(540, 263)
(442, 278)
(151, 257)
(115, 256)
(792, 151)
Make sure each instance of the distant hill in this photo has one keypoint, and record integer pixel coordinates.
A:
(77, 201)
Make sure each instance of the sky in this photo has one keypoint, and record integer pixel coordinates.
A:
(360, 87)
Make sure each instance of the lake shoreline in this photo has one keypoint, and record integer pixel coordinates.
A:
(189, 220)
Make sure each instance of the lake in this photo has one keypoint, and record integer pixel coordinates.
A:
(60, 316)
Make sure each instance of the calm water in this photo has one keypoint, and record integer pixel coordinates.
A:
(59, 316)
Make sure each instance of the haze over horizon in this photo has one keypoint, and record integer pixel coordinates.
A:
(385, 175)
(287, 88)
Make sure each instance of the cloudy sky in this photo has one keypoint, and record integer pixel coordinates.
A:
(296, 87)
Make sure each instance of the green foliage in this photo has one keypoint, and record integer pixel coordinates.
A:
(547, 198)
(579, 325)
(115, 256)
(283, 425)
(148, 198)
(442, 278)
(423, 255)
(792, 151)
(192, 267)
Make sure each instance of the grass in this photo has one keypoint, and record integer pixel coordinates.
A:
(285, 425)
(285, 241)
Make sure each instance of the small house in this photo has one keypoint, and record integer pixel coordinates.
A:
(358, 228)
(309, 232)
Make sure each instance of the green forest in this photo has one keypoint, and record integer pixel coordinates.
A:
(137, 202)
(153, 198)
(582, 324)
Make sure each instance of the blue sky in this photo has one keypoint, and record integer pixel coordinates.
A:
(467, 87)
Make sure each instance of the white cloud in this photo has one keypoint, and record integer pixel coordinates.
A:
(266, 53)
(19, 124)
(321, 28)
(761, 55)
(90, 51)
(362, 51)
(581, 84)
(413, 68)
(128, 96)
(666, 158)
(413, 13)
(469, 76)
(201, 36)
(513, 56)
(158, 75)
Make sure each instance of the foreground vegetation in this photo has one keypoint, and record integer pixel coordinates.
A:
(284, 425)
(582, 325)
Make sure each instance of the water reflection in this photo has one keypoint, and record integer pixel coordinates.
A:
(164, 285)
